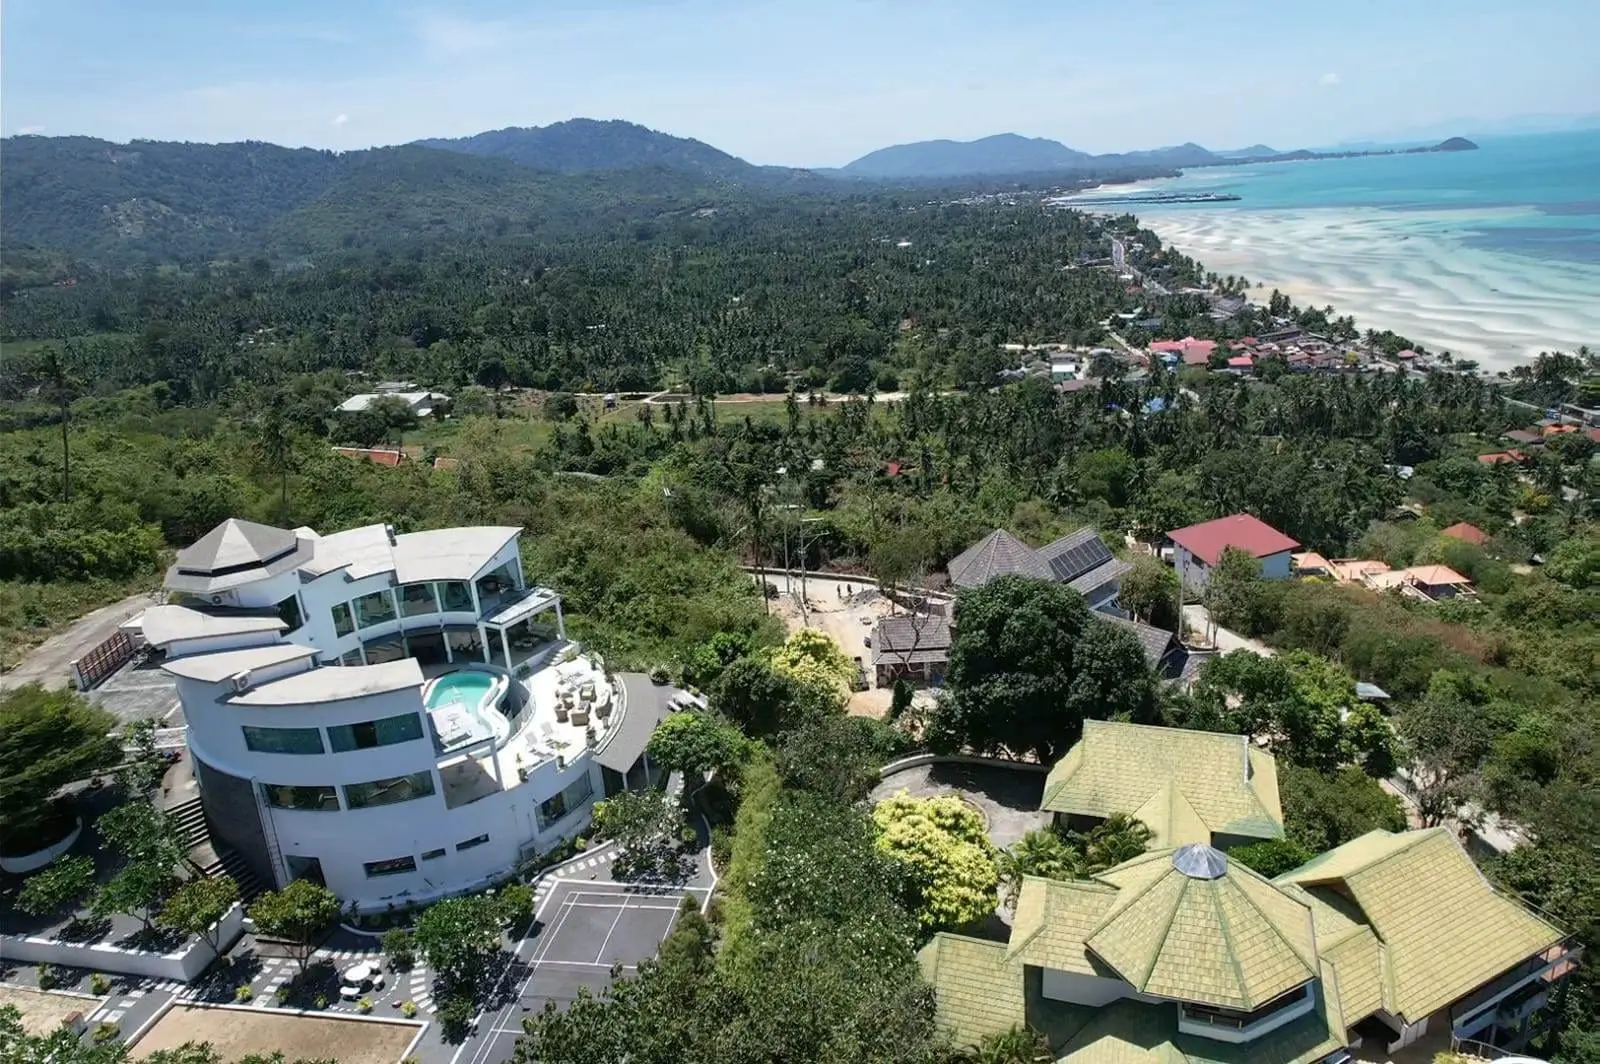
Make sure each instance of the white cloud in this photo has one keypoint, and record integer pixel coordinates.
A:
(1329, 79)
(25, 131)
(340, 120)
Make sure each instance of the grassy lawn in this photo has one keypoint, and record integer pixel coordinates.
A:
(237, 1033)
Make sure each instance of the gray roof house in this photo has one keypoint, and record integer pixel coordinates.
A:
(1079, 559)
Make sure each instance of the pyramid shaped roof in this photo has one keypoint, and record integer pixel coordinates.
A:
(1188, 924)
(234, 543)
(997, 554)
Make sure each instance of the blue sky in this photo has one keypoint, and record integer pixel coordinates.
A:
(797, 83)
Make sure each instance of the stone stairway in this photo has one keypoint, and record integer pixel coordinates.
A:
(189, 821)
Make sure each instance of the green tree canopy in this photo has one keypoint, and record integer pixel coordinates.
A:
(298, 914)
(698, 743)
(1028, 665)
(1321, 811)
(48, 739)
(460, 938)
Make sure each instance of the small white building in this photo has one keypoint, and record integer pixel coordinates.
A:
(398, 716)
(422, 403)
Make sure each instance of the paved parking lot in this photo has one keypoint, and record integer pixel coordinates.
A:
(583, 929)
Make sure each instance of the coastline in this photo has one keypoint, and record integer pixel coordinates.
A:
(1399, 271)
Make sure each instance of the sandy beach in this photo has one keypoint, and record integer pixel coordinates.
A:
(1400, 270)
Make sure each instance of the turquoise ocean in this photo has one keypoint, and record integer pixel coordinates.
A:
(1491, 254)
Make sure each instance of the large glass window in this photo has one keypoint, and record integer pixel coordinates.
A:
(285, 796)
(395, 866)
(576, 793)
(342, 622)
(283, 740)
(374, 609)
(498, 582)
(289, 611)
(456, 596)
(389, 791)
(417, 599)
(370, 733)
(476, 840)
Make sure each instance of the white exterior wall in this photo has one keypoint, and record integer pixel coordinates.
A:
(1196, 574)
(343, 841)
(183, 648)
(1091, 990)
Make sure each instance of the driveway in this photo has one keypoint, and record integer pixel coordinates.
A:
(1198, 620)
(48, 662)
(1007, 795)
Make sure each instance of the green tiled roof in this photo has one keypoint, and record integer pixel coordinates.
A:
(977, 991)
(1444, 930)
(1234, 940)
(1054, 919)
(1129, 1032)
(1183, 780)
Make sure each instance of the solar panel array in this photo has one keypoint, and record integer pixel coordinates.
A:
(1072, 556)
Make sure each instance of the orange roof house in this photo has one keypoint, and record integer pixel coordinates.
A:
(1466, 533)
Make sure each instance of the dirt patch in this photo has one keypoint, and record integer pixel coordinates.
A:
(237, 1033)
(42, 1011)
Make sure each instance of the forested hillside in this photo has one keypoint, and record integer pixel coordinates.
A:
(583, 145)
(140, 407)
(151, 203)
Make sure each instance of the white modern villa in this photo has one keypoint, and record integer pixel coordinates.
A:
(398, 716)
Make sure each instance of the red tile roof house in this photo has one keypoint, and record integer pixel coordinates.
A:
(1200, 547)
(1194, 352)
(1502, 457)
(1466, 533)
(1242, 363)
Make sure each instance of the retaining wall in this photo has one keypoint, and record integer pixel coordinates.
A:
(183, 965)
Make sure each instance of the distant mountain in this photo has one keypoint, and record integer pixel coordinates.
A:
(1456, 144)
(1009, 153)
(585, 145)
(153, 202)
(1006, 153)
(1254, 151)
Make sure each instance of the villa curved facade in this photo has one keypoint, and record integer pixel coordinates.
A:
(397, 716)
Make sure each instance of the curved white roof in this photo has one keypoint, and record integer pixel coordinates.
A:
(335, 683)
(214, 668)
(166, 624)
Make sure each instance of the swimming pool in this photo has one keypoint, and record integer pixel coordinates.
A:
(467, 688)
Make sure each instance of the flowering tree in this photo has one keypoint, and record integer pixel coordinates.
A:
(814, 659)
(942, 847)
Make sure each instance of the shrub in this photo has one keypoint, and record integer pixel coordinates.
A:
(408, 1009)
(49, 977)
(455, 1016)
(1271, 857)
(320, 1001)
(105, 1032)
(721, 847)
(398, 948)
(516, 904)
(100, 984)
(942, 846)
(364, 1005)
(243, 993)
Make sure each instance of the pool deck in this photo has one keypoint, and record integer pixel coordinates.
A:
(540, 735)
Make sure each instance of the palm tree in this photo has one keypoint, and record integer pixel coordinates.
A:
(1020, 1045)
(61, 387)
(1119, 838)
(274, 439)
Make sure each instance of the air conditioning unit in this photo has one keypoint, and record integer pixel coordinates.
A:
(241, 681)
